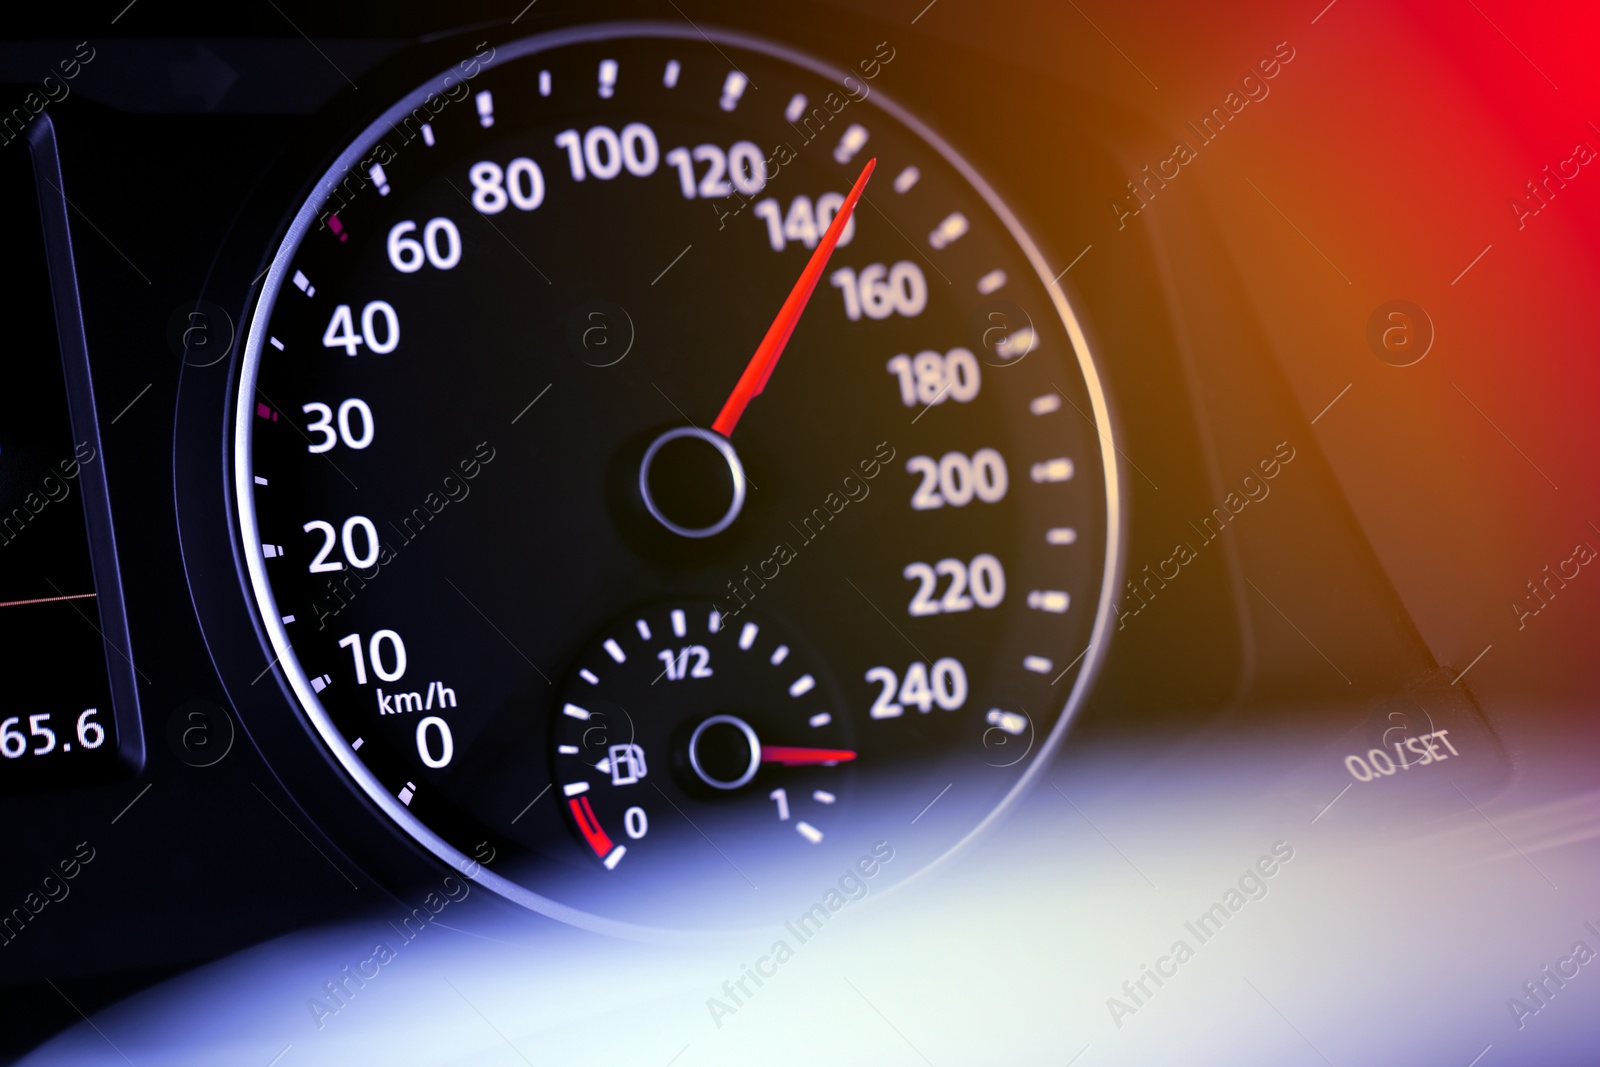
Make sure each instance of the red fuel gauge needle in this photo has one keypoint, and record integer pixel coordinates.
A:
(791, 756)
(759, 369)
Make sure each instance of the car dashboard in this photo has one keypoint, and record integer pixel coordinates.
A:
(635, 534)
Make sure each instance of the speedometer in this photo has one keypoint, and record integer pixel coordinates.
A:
(583, 586)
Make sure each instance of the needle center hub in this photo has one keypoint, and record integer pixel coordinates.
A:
(692, 481)
(724, 752)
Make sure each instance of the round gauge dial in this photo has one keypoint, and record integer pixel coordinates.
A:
(754, 741)
(666, 472)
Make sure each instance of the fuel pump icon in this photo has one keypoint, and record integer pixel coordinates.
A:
(626, 763)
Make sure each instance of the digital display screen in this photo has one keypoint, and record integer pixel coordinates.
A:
(56, 721)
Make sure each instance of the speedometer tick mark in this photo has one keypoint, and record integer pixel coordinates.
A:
(287, 619)
(1009, 721)
(566, 750)
(614, 650)
(779, 654)
(747, 636)
(1061, 535)
(260, 480)
(669, 77)
(319, 684)
(544, 83)
(802, 685)
(1017, 344)
(485, 102)
(572, 789)
(615, 857)
(379, 178)
(275, 343)
(575, 712)
(949, 231)
(1045, 405)
(427, 134)
(733, 89)
(822, 796)
(271, 551)
(302, 283)
(851, 142)
(991, 282)
(589, 676)
(821, 718)
(1052, 470)
(355, 746)
(906, 179)
(680, 625)
(407, 793)
(796, 108)
(809, 832)
(1037, 664)
(608, 78)
(714, 624)
(1051, 600)
(643, 628)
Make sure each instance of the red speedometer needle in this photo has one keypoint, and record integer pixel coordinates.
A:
(791, 756)
(759, 369)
